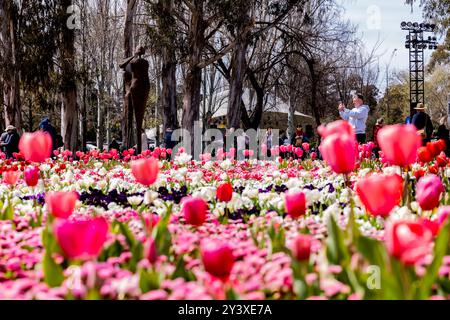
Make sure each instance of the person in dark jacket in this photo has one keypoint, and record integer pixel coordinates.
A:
(46, 126)
(11, 144)
(422, 122)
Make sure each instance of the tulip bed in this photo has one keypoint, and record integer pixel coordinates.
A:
(120, 226)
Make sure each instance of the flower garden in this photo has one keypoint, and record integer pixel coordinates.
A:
(115, 225)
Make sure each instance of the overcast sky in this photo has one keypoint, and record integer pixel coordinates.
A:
(380, 20)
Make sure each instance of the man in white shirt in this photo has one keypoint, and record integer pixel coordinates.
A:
(357, 117)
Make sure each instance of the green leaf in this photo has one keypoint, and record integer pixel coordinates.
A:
(129, 237)
(337, 252)
(149, 280)
(53, 272)
(182, 272)
(440, 250)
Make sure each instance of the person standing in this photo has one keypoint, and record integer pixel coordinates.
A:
(46, 126)
(376, 128)
(269, 141)
(357, 117)
(144, 139)
(422, 122)
(11, 144)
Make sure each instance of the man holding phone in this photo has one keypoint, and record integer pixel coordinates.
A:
(357, 117)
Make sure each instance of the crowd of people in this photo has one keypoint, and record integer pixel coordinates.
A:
(9, 139)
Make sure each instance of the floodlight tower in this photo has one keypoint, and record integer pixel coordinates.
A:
(416, 43)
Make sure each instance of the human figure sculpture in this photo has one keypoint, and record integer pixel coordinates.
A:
(137, 92)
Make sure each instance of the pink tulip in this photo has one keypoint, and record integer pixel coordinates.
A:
(61, 204)
(408, 241)
(305, 146)
(340, 127)
(299, 152)
(81, 240)
(194, 210)
(31, 175)
(150, 251)
(340, 152)
(399, 144)
(295, 204)
(11, 177)
(443, 214)
(313, 155)
(36, 147)
(217, 257)
(380, 193)
(301, 247)
(428, 192)
(145, 171)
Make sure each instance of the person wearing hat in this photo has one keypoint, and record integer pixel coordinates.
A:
(11, 143)
(357, 117)
(422, 122)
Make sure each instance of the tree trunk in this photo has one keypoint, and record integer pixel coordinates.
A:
(291, 119)
(169, 89)
(11, 81)
(314, 83)
(69, 111)
(100, 119)
(193, 80)
(127, 119)
(238, 68)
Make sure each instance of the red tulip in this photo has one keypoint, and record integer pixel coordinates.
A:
(295, 204)
(145, 170)
(224, 192)
(431, 225)
(424, 155)
(36, 147)
(434, 148)
(11, 177)
(194, 210)
(31, 175)
(340, 151)
(428, 192)
(217, 257)
(81, 239)
(380, 193)
(399, 144)
(301, 247)
(61, 204)
(408, 241)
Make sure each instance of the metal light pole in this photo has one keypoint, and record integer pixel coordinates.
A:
(416, 43)
(387, 86)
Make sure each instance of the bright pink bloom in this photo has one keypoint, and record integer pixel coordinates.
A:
(11, 177)
(399, 144)
(194, 210)
(408, 241)
(150, 250)
(81, 239)
(443, 214)
(36, 147)
(340, 151)
(217, 257)
(428, 192)
(340, 127)
(295, 204)
(145, 170)
(31, 175)
(305, 146)
(380, 193)
(301, 247)
(61, 204)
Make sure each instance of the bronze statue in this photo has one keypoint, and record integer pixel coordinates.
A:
(137, 89)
